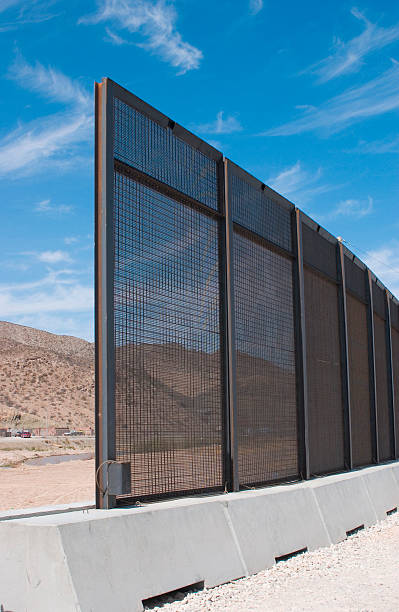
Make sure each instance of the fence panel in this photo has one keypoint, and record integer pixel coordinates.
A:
(214, 296)
(359, 366)
(168, 391)
(394, 307)
(152, 148)
(254, 209)
(264, 333)
(381, 371)
(325, 406)
(265, 361)
(167, 339)
(359, 374)
(325, 411)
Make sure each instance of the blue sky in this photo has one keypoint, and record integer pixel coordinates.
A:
(303, 95)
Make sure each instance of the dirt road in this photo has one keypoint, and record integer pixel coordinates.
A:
(24, 486)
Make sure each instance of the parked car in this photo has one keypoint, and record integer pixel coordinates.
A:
(26, 434)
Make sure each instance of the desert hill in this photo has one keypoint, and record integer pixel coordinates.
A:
(166, 394)
(44, 376)
(176, 393)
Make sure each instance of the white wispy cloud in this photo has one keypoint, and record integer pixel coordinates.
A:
(6, 4)
(376, 97)
(30, 144)
(16, 266)
(221, 125)
(58, 301)
(50, 258)
(255, 6)
(48, 82)
(307, 107)
(155, 21)
(353, 208)
(384, 145)
(50, 138)
(23, 13)
(45, 206)
(384, 262)
(114, 38)
(347, 57)
(71, 240)
(62, 276)
(54, 257)
(298, 184)
(74, 298)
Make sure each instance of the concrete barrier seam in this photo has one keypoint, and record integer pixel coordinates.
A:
(235, 539)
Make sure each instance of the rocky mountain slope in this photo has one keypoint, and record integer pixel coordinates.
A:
(45, 378)
(165, 394)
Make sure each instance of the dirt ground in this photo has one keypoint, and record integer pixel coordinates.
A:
(25, 486)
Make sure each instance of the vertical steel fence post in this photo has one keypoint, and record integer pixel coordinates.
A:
(228, 328)
(104, 311)
(372, 374)
(300, 347)
(391, 391)
(343, 331)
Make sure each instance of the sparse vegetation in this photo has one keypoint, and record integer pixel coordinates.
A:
(14, 451)
(47, 379)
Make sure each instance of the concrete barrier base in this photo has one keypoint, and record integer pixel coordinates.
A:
(88, 560)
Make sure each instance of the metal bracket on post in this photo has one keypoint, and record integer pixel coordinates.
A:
(231, 460)
(343, 329)
(372, 374)
(104, 319)
(391, 389)
(300, 344)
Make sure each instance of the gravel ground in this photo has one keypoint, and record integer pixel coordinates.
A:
(359, 574)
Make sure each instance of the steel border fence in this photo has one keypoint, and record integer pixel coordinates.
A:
(289, 371)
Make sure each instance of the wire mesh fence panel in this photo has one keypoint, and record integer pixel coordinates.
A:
(394, 310)
(319, 252)
(265, 362)
(167, 342)
(379, 303)
(355, 279)
(359, 376)
(325, 410)
(381, 371)
(153, 149)
(253, 209)
(197, 345)
(395, 367)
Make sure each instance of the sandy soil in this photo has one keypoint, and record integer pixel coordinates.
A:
(24, 486)
(358, 575)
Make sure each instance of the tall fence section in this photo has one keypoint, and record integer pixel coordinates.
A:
(238, 343)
